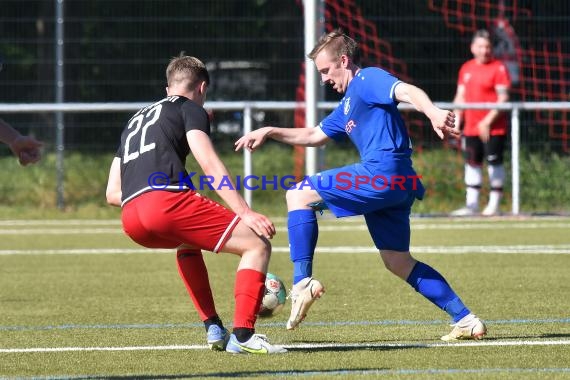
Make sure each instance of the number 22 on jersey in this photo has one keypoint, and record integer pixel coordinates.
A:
(150, 116)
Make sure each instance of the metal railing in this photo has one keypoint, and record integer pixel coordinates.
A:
(248, 106)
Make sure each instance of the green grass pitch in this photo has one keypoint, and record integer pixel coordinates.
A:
(79, 300)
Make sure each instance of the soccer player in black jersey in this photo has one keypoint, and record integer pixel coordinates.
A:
(161, 209)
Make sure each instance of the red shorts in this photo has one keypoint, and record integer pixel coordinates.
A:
(163, 219)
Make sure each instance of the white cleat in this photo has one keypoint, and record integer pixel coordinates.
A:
(464, 211)
(470, 327)
(302, 296)
(257, 345)
(490, 211)
(217, 338)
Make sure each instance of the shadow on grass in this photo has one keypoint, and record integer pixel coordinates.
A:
(337, 348)
(522, 337)
(555, 335)
(239, 374)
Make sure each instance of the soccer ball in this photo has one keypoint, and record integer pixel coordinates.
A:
(274, 296)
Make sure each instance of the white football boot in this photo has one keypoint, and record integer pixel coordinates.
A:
(302, 296)
(217, 338)
(490, 210)
(257, 345)
(469, 327)
(464, 211)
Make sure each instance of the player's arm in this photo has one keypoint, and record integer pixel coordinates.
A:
(7, 133)
(484, 126)
(292, 136)
(502, 97)
(26, 148)
(113, 192)
(212, 166)
(442, 121)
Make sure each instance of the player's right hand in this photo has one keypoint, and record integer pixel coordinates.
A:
(252, 140)
(443, 123)
(27, 149)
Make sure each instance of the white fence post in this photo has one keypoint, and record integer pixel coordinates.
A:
(515, 164)
(247, 164)
(59, 98)
(310, 8)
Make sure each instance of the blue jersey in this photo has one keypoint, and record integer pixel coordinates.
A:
(384, 179)
(368, 114)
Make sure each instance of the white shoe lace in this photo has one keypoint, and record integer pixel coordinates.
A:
(262, 337)
(292, 296)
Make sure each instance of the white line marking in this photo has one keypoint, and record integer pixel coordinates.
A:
(550, 249)
(563, 342)
(282, 219)
(63, 222)
(95, 251)
(487, 226)
(328, 228)
(277, 324)
(61, 231)
(113, 226)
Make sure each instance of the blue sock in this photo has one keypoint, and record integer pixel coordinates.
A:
(430, 284)
(303, 235)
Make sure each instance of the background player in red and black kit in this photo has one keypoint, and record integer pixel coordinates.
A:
(148, 179)
(486, 80)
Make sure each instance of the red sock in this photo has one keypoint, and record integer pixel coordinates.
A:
(194, 273)
(248, 294)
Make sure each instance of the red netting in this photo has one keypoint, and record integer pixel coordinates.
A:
(299, 121)
(543, 69)
(374, 51)
(540, 73)
(464, 15)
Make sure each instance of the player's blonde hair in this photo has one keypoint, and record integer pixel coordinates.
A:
(188, 70)
(336, 43)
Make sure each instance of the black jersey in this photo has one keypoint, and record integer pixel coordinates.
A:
(154, 146)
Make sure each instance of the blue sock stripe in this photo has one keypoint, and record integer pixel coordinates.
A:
(301, 270)
(456, 309)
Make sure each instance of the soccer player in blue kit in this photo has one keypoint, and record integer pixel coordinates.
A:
(382, 187)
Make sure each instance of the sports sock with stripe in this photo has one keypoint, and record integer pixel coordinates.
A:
(430, 284)
(303, 234)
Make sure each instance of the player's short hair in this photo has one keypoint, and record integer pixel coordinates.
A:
(481, 33)
(336, 44)
(187, 69)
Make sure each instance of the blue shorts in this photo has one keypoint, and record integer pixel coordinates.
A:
(385, 200)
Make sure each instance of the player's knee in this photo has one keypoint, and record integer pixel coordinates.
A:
(398, 263)
(388, 265)
(291, 196)
(294, 198)
(496, 175)
(300, 198)
(262, 248)
(473, 175)
(392, 266)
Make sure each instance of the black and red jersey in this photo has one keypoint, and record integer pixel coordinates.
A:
(154, 146)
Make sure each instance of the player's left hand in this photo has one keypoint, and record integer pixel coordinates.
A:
(259, 223)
